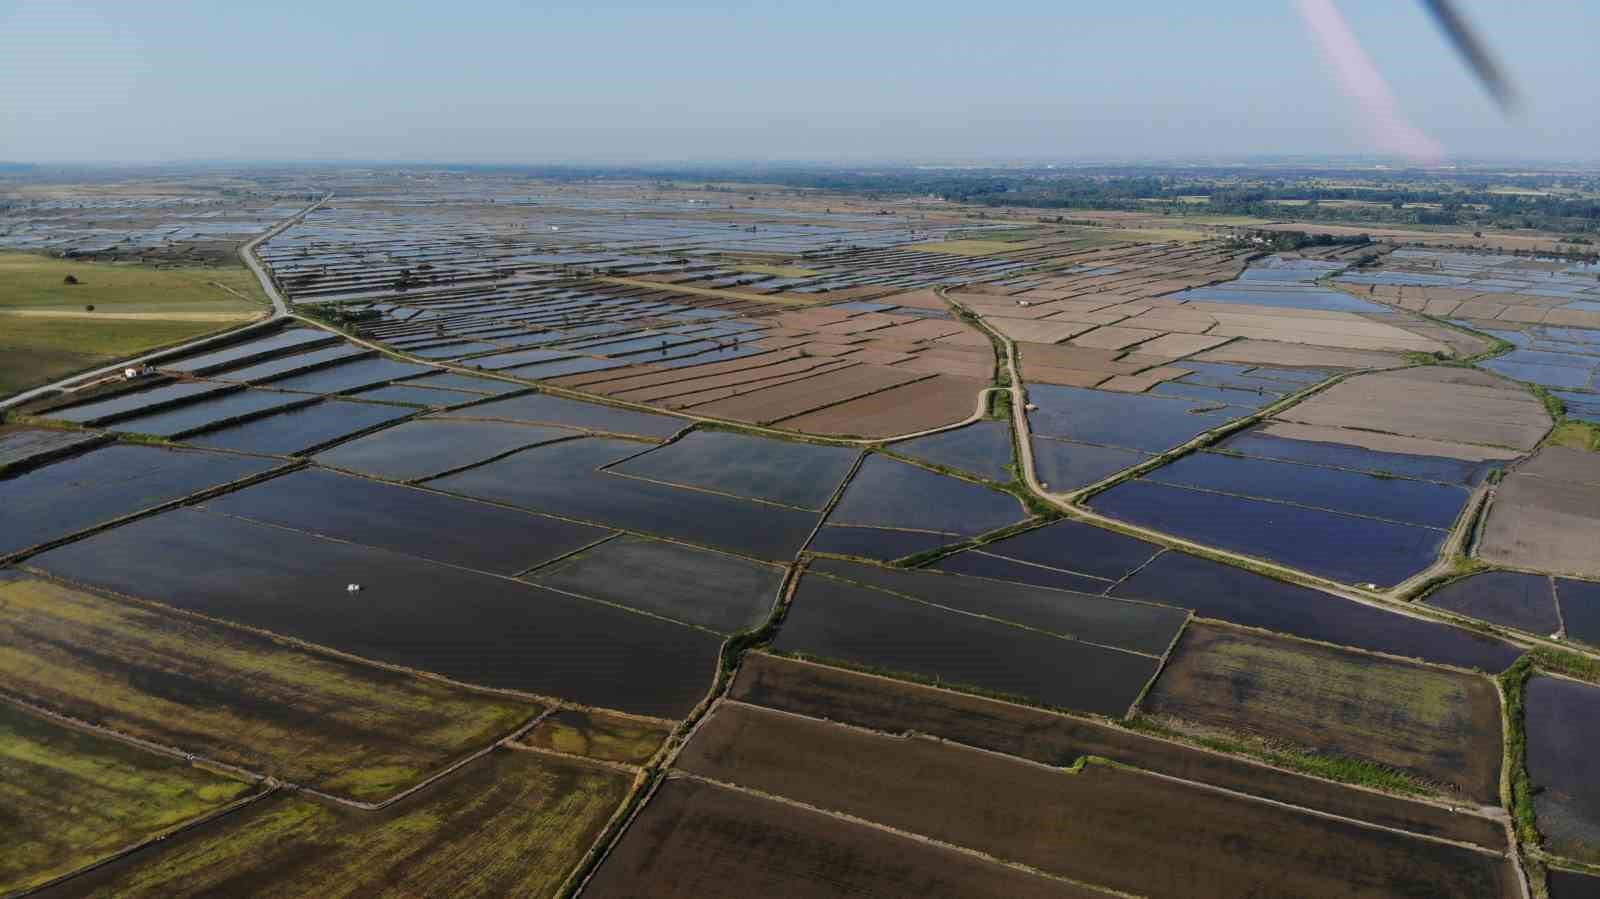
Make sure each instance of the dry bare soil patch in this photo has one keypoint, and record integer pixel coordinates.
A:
(1546, 514)
(1441, 726)
(697, 839)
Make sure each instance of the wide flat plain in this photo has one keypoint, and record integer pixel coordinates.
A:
(531, 623)
(46, 330)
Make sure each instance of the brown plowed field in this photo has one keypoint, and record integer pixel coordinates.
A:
(696, 839)
(1104, 825)
(897, 707)
(798, 398)
(939, 400)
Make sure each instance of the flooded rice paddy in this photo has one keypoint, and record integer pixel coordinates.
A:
(834, 619)
(1516, 599)
(68, 496)
(1215, 590)
(889, 493)
(429, 447)
(550, 582)
(1336, 545)
(1563, 723)
(408, 612)
(794, 474)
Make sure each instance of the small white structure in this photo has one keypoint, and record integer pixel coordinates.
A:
(353, 588)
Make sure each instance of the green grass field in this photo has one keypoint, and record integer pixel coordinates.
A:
(47, 332)
(35, 351)
(38, 282)
(599, 736)
(70, 798)
(513, 823)
(1577, 435)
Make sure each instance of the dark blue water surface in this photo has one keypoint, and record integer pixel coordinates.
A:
(982, 448)
(1341, 455)
(1523, 601)
(1354, 493)
(1075, 546)
(1143, 422)
(888, 493)
(1063, 466)
(885, 544)
(1215, 590)
(1580, 609)
(1333, 545)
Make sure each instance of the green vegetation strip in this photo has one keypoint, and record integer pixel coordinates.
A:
(510, 824)
(598, 736)
(42, 283)
(357, 731)
(1513, 686)
(69, 798)
(1335, 768)
(58, 316)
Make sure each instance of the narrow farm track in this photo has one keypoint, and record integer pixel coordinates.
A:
(1393, 600)
(735, 653)
(280, 310)
(689, 418)
(1167, 777)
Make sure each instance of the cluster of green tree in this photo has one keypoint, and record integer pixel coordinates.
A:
(1289, 241)
(1568, 202)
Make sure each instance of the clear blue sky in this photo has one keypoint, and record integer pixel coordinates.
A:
(502, 81)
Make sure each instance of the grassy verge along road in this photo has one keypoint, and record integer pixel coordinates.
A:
(51, 327)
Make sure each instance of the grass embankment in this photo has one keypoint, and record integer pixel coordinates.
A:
(350, 729)
(47, 330)
(513, 823)
(1514, 685)
(1576, 435)
(70, 798)
(599, 736)
(1571, 433)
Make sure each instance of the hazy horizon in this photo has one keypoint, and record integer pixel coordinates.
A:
(494, 83)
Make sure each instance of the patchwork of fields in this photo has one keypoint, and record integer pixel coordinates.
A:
(627, 553)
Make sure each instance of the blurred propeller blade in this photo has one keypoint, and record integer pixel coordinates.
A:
(1456, 27)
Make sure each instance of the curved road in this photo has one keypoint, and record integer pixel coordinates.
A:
(247, 254)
